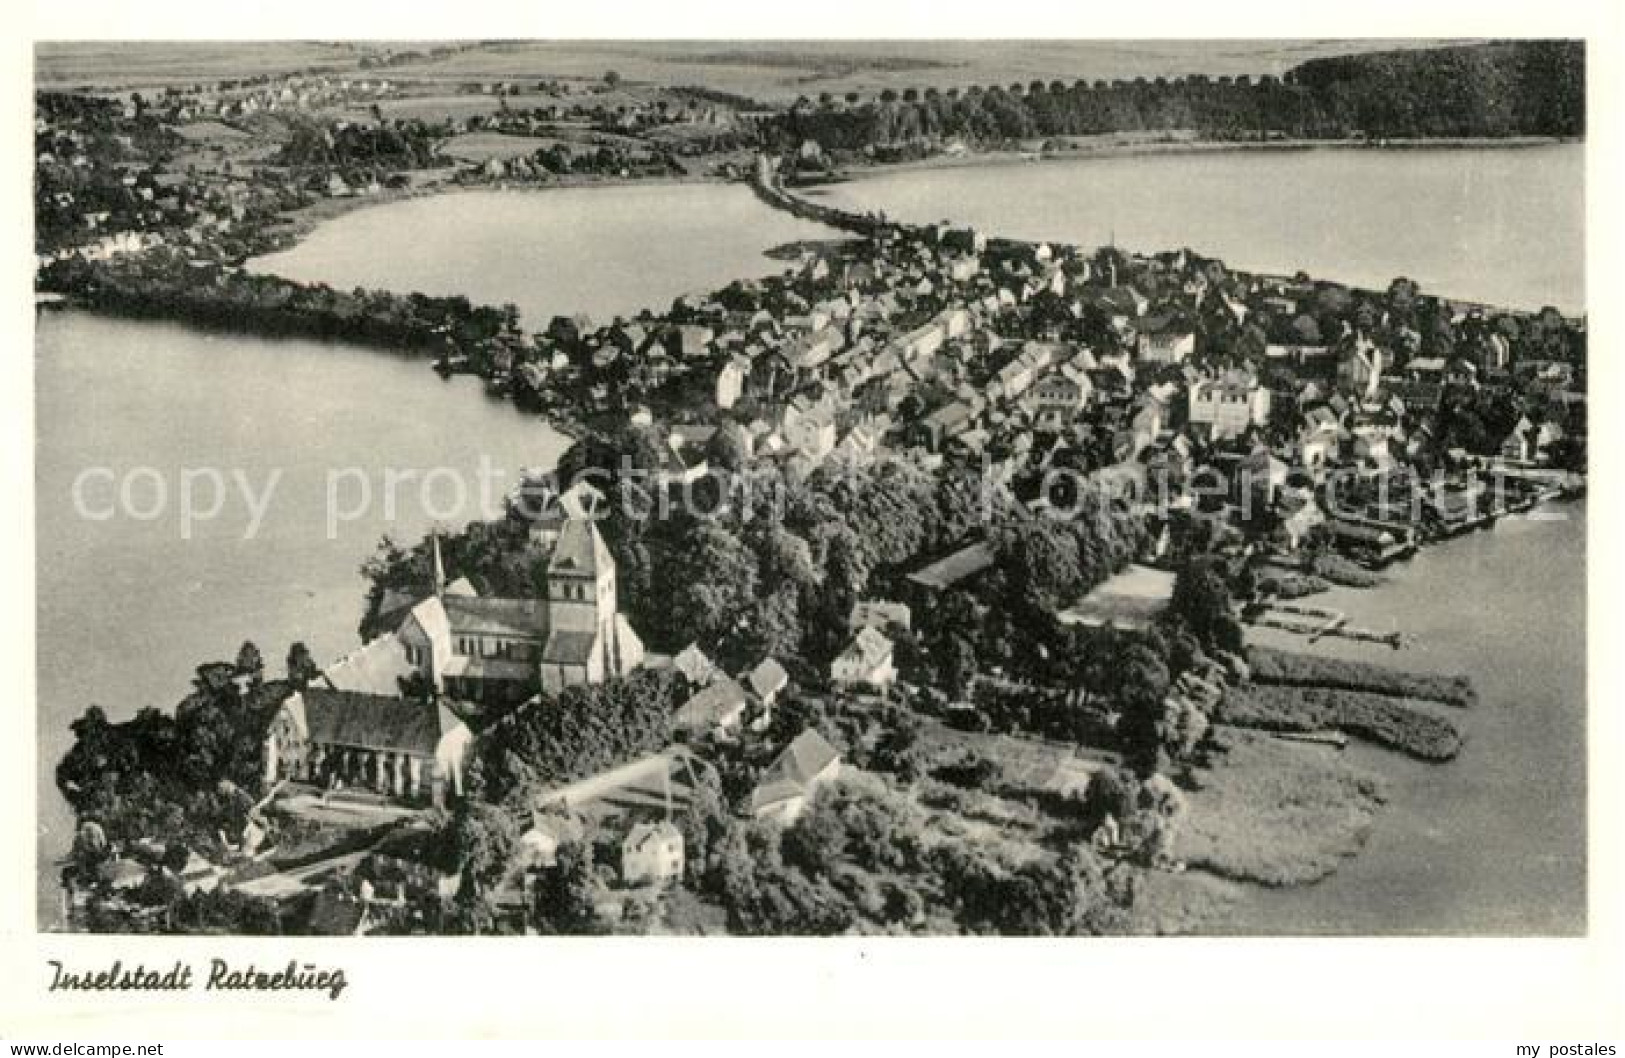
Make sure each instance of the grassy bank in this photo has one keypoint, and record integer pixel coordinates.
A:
(1391, 722)
(1274, 813)
(1194, 903)
(1290, 668)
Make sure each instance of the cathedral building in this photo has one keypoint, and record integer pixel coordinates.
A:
(378, 718)
(503, 650)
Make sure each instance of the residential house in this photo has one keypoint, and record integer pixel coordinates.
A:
(856, 447)
(539, 846)
(1300, 516)
(1123, 302)
(789, 782)
(812, 434)
(867, 661)
(1261, 476)
(652, 854)
(1376, 450)
(811, 351)
(688, 341)
(1528, 443)
(922, 342)
(1014, 378)
(1425, 369)
(1165, 340)
(1461, 371)
(1230, 406)
(731, 381)
(714, 711)
(766, 680)
(682, 458)
(1320, 443)
(695, 667)
(1060, 396)
(1360, 366)
(582, 501)
(879, 614)
(945, 423)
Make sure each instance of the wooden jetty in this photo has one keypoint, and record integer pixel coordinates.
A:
(1334, 739)
(1373, 542)
(1317, 623)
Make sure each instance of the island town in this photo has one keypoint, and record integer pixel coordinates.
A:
(935, 584)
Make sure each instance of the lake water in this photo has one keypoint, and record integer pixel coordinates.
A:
(1493, 842)
(1505, 226)
(603, 251)
(127, 607)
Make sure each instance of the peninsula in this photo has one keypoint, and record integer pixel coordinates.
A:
(913, 590)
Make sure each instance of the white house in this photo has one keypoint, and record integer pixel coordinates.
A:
(806, 763)
(1163, 341)
(867, 661)
(1060, 396)
(731, 382)
(717, 709)
(1229, 407)
(767, 679)
(652, 854)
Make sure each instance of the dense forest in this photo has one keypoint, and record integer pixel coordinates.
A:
(1523, 88)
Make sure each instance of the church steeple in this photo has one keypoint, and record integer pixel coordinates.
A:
(581, 579)
(439, 567)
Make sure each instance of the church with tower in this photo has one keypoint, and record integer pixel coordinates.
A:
(387, 716)
(502, 651)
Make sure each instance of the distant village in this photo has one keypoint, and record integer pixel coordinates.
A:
(971, 683)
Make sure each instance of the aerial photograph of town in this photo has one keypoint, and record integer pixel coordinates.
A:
(736, 488)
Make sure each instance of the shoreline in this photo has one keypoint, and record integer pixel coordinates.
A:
(293, 226)
(811, 194)
(1099, 151)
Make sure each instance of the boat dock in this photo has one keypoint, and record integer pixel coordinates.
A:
(1317, 623)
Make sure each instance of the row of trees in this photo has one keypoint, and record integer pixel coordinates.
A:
(1501, 89)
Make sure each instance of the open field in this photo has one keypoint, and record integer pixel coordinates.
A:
(60, 64)
(210, 132)
(773, 71)
(781, 70)
(1023, 760)
(483, 146)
